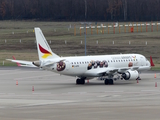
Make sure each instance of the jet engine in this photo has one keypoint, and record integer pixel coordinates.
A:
(36, 63)
(130, 75)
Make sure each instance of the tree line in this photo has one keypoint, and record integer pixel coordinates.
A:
(80, 10)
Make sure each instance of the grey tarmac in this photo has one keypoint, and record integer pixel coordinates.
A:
(58, 97)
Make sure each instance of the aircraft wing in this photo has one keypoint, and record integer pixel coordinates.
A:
(100, 71)
(24, 63)
(112, 71)
(121, 70)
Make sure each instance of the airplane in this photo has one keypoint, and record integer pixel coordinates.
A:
(88, 67)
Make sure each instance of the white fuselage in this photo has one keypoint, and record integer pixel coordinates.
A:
(78, 66)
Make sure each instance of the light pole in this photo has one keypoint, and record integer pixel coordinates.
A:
(85, 23)
(85, 2)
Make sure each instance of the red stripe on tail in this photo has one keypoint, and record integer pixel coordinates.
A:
(43, 50)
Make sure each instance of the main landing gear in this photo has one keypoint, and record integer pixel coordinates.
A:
(80, 81)
(108, 82)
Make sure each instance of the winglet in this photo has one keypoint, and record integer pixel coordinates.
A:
(151, 61)
(18, 64)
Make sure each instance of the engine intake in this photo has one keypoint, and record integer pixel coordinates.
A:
(130, 75)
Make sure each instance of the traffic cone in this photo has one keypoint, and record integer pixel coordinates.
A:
(87, 81)
(137, 80)
(155, 84)
(32, 88)
(17, 82)
(155, 75)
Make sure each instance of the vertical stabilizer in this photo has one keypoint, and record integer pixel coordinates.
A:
(44, 50)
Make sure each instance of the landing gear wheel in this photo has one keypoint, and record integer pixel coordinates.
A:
(106, 82)
(80, 81)
(110, 81)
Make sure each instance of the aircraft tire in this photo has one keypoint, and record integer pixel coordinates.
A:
(80, 81)
(106, 81)
(110, 81)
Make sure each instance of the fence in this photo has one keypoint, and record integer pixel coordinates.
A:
(117, 28)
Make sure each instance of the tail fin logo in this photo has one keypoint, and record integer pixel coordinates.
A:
(44, 51)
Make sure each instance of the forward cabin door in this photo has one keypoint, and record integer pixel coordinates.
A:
(67, 65)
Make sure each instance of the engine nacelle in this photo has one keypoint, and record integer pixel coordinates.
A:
(130, 75)
(36, 63)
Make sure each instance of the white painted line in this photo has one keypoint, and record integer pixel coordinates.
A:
(142, 24)
(83, 92)
(98, 26)
(92, 26)
(116, 95)
(153, 23)
(121, 25)
(11, 93)
(113, 91)
(104, 26)
(2, 93)
(150, 90)
(138, 25)
(19, 72)
(109, 26)
(41, 93)
(158, 23)
(126, 25)
(33, 77)
(104, 96)
(48, 103)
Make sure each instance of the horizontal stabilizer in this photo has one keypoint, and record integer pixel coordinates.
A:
(25, 63)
